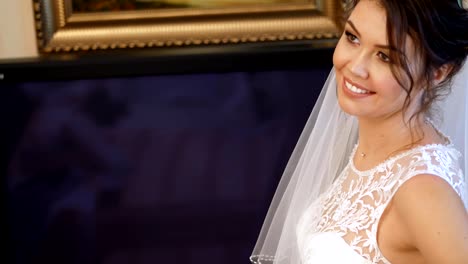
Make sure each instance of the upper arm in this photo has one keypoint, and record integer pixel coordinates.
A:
(435, 218)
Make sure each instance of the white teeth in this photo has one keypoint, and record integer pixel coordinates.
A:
(355, 89)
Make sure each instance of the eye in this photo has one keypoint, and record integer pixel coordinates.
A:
(384, 57)
(351, 37)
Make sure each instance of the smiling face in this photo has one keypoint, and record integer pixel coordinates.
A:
(366, 86)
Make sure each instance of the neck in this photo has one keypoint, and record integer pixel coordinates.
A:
(380, 138)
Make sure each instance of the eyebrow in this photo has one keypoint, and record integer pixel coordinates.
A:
(353, 26)
(377, 45)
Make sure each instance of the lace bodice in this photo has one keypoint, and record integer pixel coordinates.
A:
(351, 209)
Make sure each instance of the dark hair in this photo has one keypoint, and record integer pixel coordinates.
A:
(439, 30)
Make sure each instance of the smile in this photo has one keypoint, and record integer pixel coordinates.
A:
(354, 89)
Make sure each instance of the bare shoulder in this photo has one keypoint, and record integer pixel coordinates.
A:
(435, 217)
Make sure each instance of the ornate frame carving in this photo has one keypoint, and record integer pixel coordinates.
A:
(59, 29)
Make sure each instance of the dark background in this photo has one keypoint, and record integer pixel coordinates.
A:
(168, 156)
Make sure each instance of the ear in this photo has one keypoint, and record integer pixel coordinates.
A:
(441, 73)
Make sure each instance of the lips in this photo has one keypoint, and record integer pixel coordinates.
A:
(354, 90)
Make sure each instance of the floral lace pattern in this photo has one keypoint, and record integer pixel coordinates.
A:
(354, 204)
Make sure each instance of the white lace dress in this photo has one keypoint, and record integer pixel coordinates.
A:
(341, 226)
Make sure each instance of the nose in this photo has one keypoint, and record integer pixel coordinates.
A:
(359, 66)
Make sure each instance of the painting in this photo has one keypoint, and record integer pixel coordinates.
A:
(120, 5)
(65, 26)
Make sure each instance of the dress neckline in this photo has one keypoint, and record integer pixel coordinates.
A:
(448, 144)
(391, 159)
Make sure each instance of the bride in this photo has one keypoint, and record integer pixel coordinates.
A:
(379, 173)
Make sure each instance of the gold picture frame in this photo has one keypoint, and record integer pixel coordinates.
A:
(60, 29)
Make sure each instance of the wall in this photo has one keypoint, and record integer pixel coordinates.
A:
(17, 37)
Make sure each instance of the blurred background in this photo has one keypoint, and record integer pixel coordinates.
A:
(161, 168)
(158, 157)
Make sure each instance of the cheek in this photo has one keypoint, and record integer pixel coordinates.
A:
(339, 55)
(392, 91)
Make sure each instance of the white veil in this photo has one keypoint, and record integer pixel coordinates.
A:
(455, 117)
(322, 152)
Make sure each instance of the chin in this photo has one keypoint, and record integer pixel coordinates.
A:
(350, 110)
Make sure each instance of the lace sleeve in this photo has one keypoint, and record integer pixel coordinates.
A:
(439, 161)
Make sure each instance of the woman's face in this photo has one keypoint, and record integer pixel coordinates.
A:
(366, 86)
